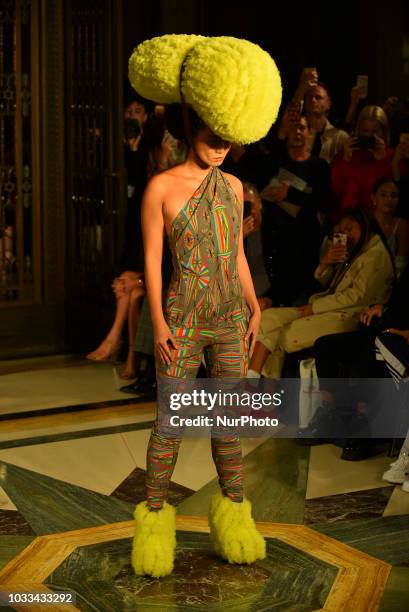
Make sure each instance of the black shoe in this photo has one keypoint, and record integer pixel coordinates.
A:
(144, 388)
(360, 449)
(356, 450)
(323, 427)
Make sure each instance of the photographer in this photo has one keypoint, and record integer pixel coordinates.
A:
(314, 98)
(365, 159)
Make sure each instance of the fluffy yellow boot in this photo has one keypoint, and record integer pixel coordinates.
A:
(153, 549)
(233, 531)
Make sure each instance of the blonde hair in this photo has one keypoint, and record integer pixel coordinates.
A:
(374, 113)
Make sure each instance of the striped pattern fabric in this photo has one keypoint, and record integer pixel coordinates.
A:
(394, 351)
(208, 316)
(161, 460)
(205, 288)
(225, 351)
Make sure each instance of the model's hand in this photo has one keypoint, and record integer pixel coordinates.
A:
(404, 333)
(252, 330)
(164, 342)
(306, 310)
(374, 311)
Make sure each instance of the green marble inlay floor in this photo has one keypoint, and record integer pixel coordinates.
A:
(275, 480)
(51, 506)
(386, 538)
(396, 595)
(287, 580)
(11, 546)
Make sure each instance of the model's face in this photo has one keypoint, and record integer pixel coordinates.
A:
(370, 127)
(317, 100)
(210, 149)
(298, 133)
(386, 198)
(134, 110)
(352, 229)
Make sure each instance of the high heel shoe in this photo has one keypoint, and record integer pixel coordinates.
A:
(102, 356)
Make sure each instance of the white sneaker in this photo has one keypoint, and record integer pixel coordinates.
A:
(399, 470)
(405, 486)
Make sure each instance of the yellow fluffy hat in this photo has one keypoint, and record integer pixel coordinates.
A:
(232, 84)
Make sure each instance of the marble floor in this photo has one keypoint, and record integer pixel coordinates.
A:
(72, 468)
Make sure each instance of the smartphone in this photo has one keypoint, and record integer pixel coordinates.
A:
(246, 208)
(339, 238)
(311, 69)
(366, 142)
(362, 82)
(132, 128)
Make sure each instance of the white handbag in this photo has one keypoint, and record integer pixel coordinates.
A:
(310, 397)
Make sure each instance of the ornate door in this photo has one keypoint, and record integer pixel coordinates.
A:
(94, 164)
(20, 262)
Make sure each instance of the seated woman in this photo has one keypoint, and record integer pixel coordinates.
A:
(366, 158)
(129, 290)
(385, 197)
(355, 353)
(354, 275)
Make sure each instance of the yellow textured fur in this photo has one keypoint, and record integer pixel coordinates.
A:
(233, 531)
(154, 66)
(153, 549)
(232, 84)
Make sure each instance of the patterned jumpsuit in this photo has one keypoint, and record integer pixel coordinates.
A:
(207, 314)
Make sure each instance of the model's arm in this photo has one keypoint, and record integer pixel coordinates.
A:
(152, 230)
(245, 276)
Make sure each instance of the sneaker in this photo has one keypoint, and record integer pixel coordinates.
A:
(399, 470)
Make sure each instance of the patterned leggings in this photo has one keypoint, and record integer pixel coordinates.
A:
(226, 353)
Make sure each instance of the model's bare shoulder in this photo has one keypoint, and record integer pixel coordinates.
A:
(235, 184)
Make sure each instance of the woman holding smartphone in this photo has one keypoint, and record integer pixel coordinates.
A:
(355, 271)
(366, 158)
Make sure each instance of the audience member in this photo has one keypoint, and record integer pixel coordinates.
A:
(149, 149)
(385, 196)
(365, 159)
(315, 99)
(355, 275)
(354, 354)
(252, 217)
(296, 189)
(357, 94)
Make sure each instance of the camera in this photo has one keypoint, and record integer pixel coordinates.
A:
(132, 128)
(366, 142)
